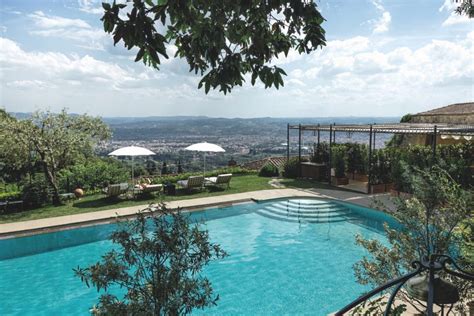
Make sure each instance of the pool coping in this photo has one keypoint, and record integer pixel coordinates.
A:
(52, 224)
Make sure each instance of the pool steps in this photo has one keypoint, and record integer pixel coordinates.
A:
(307, 211)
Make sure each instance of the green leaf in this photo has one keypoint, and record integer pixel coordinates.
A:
(140, 54)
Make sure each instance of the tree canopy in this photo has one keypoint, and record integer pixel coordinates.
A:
(465, 7)
(437, 220)
(222, 40)
(55, 140)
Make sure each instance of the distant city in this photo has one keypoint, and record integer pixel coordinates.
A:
(243, 139)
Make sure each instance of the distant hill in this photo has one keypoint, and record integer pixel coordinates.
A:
(153, 127)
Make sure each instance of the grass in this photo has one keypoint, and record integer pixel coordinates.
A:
(99, 202)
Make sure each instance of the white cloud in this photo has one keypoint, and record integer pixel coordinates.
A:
(90, 6)
(70, 29)
(56, 67)
(381, 25)
(50, 21)
(362, 74)
(93, 37)
(454, 18)
(26, 84)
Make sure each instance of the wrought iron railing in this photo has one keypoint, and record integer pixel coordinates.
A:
(431, 265)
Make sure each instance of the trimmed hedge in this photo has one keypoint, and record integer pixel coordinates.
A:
(183, 176)
(94, 174)
(9, 196)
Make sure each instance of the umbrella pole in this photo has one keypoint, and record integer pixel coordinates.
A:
(132, 171)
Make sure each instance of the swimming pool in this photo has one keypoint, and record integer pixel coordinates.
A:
(285, 257)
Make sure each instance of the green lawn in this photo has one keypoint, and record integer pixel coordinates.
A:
(98, 202)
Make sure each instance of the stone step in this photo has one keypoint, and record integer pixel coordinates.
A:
(340, 209)
(320, 220)
(306, 215)
(307, 205)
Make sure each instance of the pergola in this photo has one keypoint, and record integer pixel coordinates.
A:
(373, 129)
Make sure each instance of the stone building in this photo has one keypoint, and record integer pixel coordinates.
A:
(457, 114)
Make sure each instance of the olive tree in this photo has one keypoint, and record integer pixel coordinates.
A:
(57, 141)
(222, 40)
(14, 156)
(434, 221)
(157, 260)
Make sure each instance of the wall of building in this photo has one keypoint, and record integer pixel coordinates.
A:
(447, 119)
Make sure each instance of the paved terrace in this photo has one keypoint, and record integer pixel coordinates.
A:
(25, 228)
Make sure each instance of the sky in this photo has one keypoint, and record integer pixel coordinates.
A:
(383, 58)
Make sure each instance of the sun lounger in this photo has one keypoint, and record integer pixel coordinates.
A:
(192, 182)
(116, 189)
(150, 188)
(220, 180)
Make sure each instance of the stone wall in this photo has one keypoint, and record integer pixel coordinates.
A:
(448, 119)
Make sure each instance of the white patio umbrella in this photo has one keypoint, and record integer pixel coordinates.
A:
(132, 151)
(205, 147)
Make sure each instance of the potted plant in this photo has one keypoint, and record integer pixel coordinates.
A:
(360, 173)
(339, 163)
(321, 154)
(352, 154)
(377, 184)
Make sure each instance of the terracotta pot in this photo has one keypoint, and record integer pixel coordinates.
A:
(394, 192)
(79, 192)
(377, 188)
(361, 177)
(339, 181)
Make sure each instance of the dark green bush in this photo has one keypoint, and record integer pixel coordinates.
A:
(37, 192)
(212, 173)
(9, 196)
(356, 157)
(339, 160)
(94, 174)
(291, 168)
(269, 170)
(321, 154)
(381, 168)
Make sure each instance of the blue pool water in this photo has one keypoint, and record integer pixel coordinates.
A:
(285, 257)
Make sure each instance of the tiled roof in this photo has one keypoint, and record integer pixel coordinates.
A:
(452, 109)
(258, 164)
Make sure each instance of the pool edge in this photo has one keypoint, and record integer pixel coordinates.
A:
(53, 224)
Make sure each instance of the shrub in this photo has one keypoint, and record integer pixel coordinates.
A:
(156, 261)
(164, 168)
(94, 174)
(339, 160)
(321, 154)
(183, 176)
(380, 169)
(37, 192)
(291, 168)
(8, 196)
(268, 170)
(356, 157)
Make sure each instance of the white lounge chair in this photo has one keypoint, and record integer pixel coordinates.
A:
(151, 188)
(192, 182)
(116, 189)
(220, 180)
